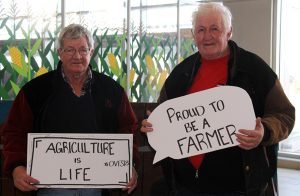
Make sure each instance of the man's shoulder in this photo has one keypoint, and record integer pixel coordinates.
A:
(97, 76)
(104, 81)
(40, 81)
(188, 62)
(185, 68)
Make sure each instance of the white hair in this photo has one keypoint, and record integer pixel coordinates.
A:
(224, 11)
(74, 31)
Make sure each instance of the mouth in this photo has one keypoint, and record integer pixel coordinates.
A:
(208, 44)
(76, 63)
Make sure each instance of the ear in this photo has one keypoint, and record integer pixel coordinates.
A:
(59, 51)
(92, 51)
(229, 34)
(192, 32)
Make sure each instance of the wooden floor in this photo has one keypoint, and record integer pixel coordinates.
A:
(288, 182)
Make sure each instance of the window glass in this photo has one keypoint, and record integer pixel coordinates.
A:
(39, 16)
(29, 30)
(289, 69)
(97, 14)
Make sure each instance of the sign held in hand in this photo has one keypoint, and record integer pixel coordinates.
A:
(201, 122)
(80, 160)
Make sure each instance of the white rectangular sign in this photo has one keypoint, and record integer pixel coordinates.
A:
(80, 160)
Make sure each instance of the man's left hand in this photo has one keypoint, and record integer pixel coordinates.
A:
(250, 139)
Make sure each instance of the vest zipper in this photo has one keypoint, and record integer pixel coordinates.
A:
(196, 175)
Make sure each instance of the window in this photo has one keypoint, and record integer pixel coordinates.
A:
(289, 68)
(28, 32)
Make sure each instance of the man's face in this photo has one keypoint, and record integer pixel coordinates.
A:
(210, 36)
(75, 56)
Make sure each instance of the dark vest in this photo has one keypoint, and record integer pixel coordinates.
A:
(56, 109)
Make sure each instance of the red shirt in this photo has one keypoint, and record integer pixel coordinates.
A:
(210, 74)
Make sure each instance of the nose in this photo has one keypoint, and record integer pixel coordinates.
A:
(77, 54)
(207, 34)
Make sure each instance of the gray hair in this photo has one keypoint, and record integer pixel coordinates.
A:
(224, 11)
(74, 31)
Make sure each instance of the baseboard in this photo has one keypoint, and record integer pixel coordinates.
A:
(289, 163)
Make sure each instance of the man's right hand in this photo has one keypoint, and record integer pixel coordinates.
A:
(146, 126)
(23, 181)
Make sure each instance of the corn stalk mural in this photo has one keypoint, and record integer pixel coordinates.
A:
(152, 57)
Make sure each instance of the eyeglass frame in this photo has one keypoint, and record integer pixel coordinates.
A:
(70, 51)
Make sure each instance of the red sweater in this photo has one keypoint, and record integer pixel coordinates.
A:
(210, 74)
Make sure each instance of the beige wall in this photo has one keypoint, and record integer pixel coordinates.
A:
(252, 26)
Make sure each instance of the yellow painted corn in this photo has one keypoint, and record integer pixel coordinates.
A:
(41, 71)
(16, 56)
(131, 76)
(162, 79)
(113, 63)
(150, 64)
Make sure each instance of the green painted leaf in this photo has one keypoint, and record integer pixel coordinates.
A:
(123, 81)
(3, 23)
(19, 24)
(34, 64)
(5, 63)
(45, 61)
(48, 47)
(15, 87)
(36, 46)
(9, 32)
(3, 93)
(37, 33)
(24, 33)
(20, 70)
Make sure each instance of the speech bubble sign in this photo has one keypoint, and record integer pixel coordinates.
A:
(80, 160)
(201, 122)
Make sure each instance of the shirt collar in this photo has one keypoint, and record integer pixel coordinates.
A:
(86, 83)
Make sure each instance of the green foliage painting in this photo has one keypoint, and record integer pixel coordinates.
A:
(152, 57)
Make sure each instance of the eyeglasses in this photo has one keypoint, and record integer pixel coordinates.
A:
(72, 51)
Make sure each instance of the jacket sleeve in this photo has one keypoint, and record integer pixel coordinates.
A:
(163, 95)
(279, 117)
(128, 124)
(19, 122)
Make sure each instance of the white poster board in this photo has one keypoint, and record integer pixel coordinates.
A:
(80, 160)
(201, 122)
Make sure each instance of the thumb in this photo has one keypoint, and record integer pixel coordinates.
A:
(32, 180)
(258, 123)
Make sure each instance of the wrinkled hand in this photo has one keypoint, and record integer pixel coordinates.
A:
(132, 182)
(146, 126)
(250, 139)
(23, 181)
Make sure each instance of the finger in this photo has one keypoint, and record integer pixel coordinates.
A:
(247, 138)
(246, 144)
(132, 182)
(32, 180)
(131, 189)
(25, 185)
(146, 126)
(148, 112)
(146, 123)
(258, 123)
(246, 132)
(132, 186)
(146, 129)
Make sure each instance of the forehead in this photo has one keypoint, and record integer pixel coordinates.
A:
(209, 18)
(75, 42)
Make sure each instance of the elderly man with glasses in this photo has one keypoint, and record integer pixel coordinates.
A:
(71, 99)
